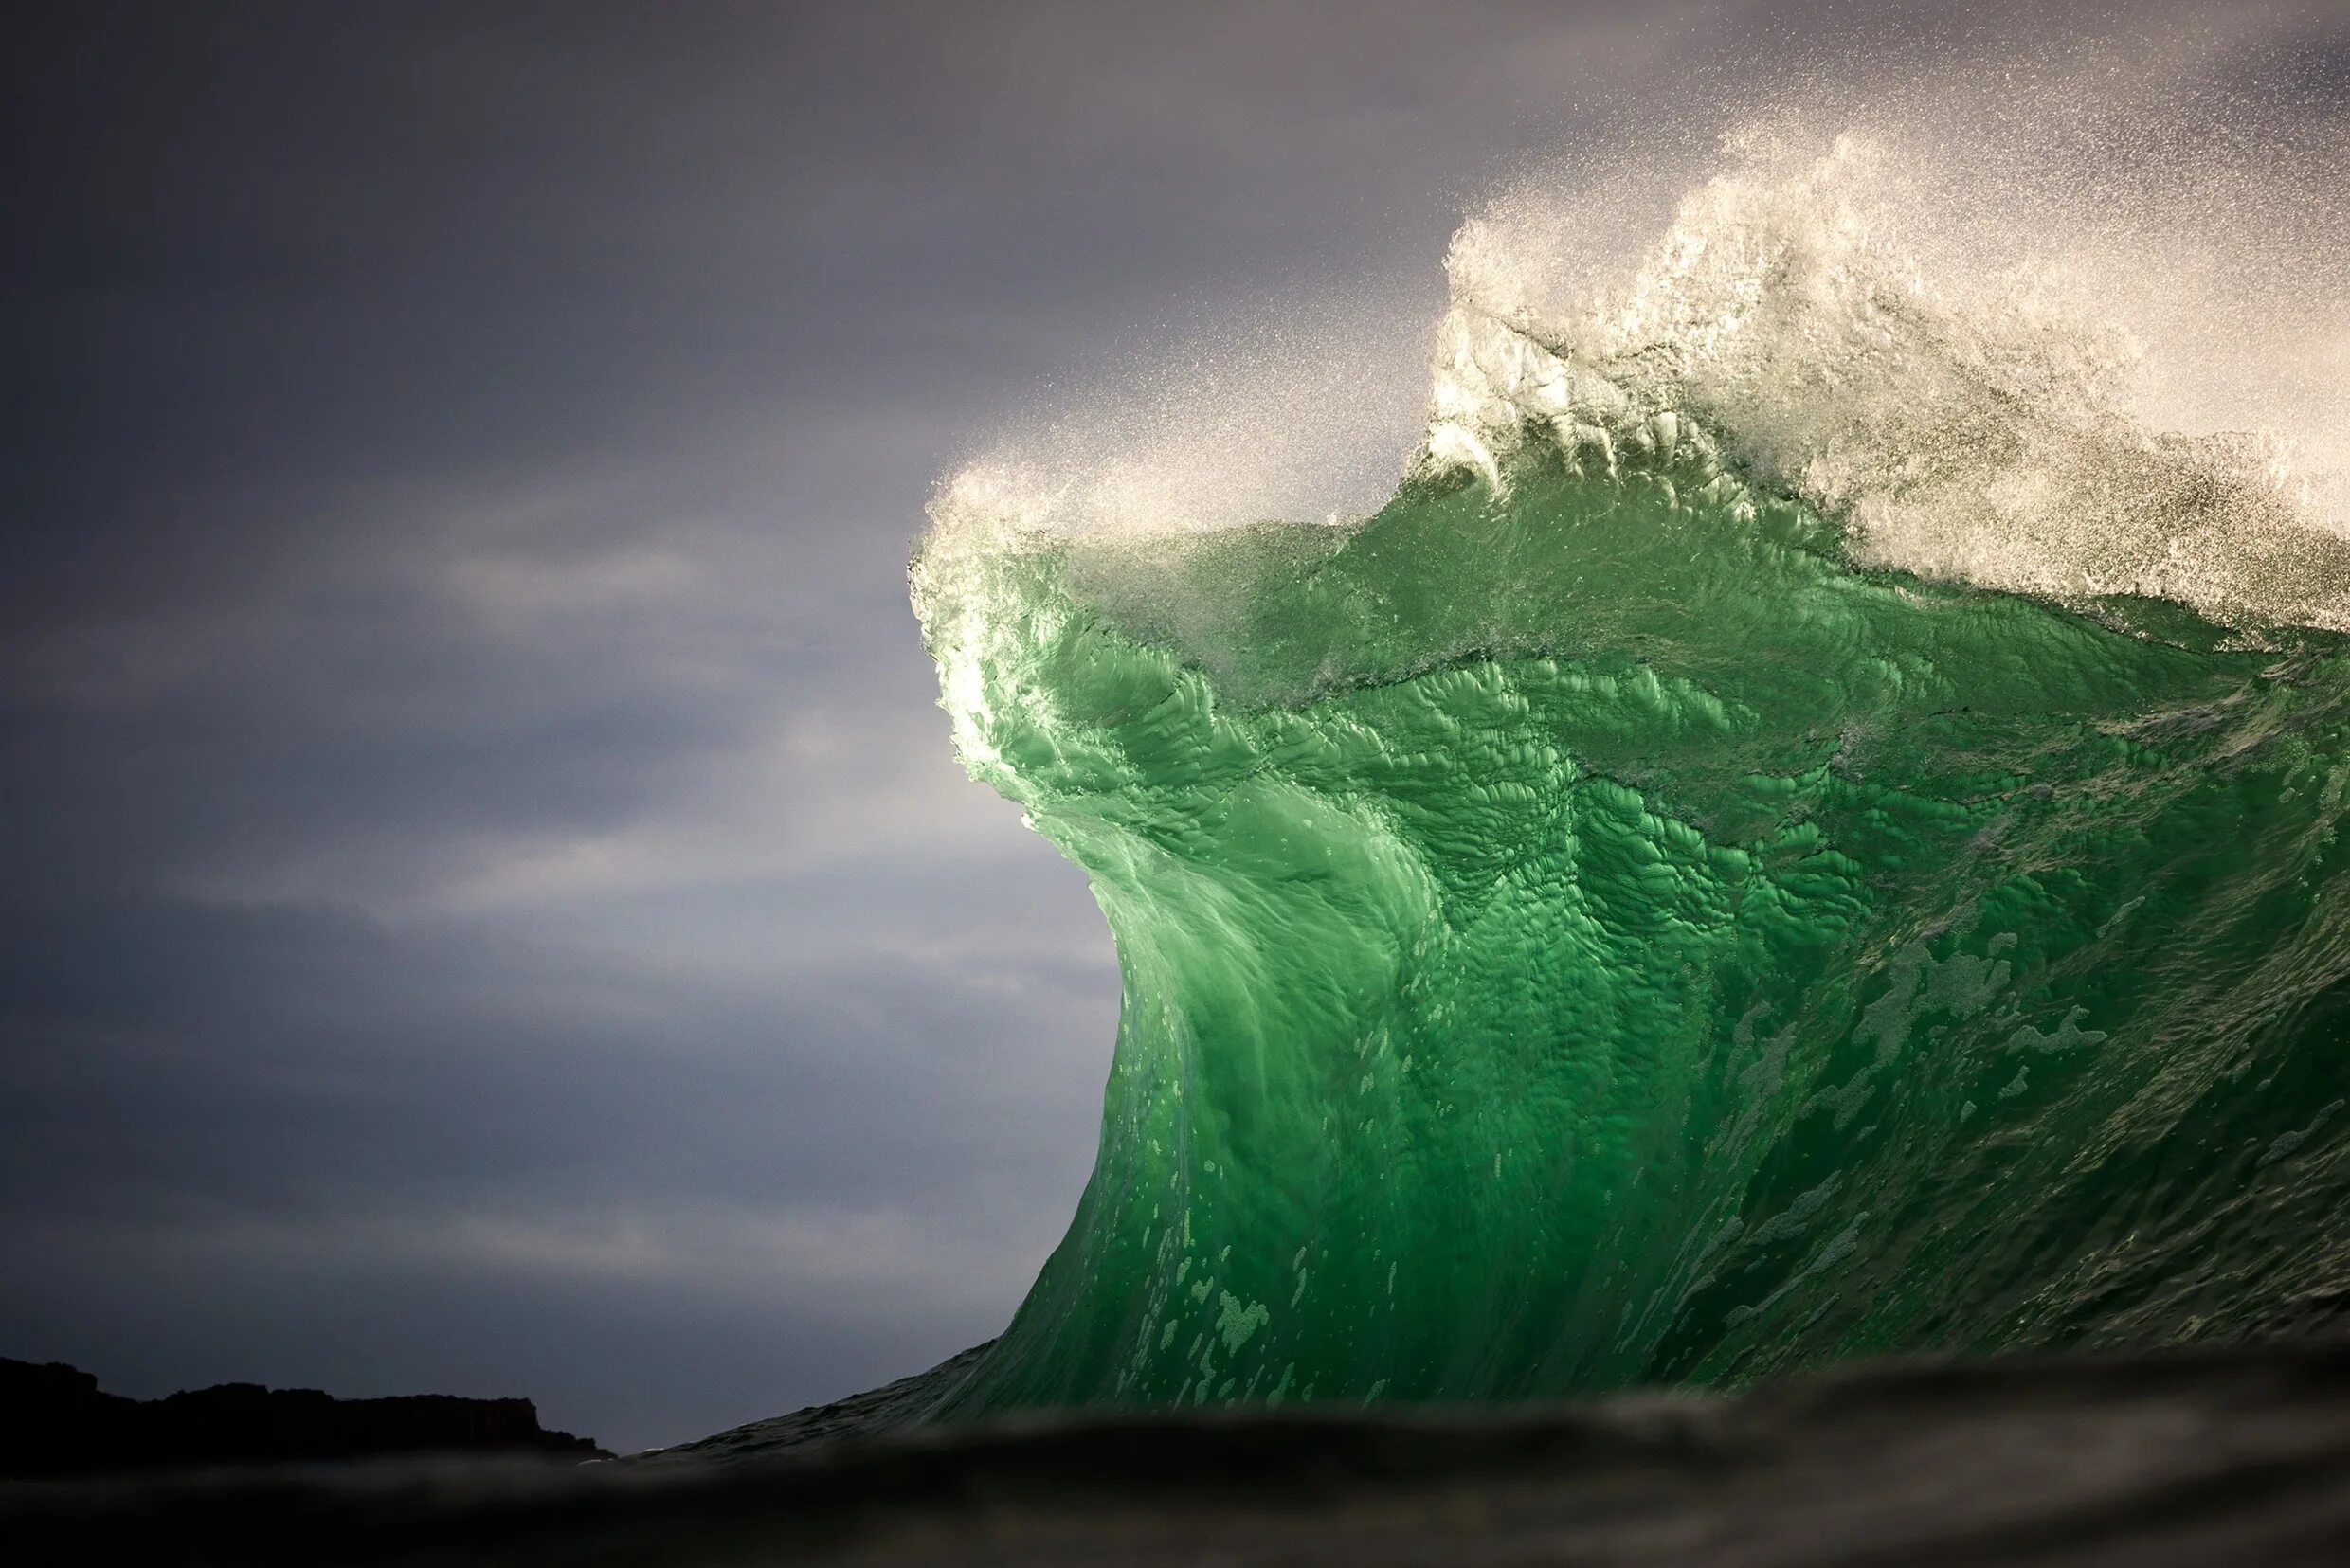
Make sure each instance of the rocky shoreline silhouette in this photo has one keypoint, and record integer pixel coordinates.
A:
(59, 1422)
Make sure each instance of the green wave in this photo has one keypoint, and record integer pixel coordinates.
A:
(1585, 933)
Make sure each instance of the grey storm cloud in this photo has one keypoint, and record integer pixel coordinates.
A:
(486, 902)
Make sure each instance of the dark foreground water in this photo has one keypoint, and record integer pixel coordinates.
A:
(2229, 1457)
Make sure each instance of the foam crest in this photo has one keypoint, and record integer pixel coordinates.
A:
(2071, 332)
(1970, 383)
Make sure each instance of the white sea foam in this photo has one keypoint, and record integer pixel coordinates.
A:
(1970, 395)
(2052, 331)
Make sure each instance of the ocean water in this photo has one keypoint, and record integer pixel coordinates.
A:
(1806, 826)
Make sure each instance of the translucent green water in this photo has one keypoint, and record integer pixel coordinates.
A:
(1595, 937)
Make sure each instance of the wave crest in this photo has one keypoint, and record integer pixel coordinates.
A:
(1971, 428)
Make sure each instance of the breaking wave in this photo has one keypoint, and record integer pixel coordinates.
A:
(1807, 825)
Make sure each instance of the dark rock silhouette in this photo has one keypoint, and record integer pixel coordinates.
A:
(55, 1420)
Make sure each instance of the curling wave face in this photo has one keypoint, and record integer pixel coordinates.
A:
(1800, 830)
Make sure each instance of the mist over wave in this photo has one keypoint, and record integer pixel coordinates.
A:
(2060, 323)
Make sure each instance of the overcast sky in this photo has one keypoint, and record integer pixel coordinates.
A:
(486, 902)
